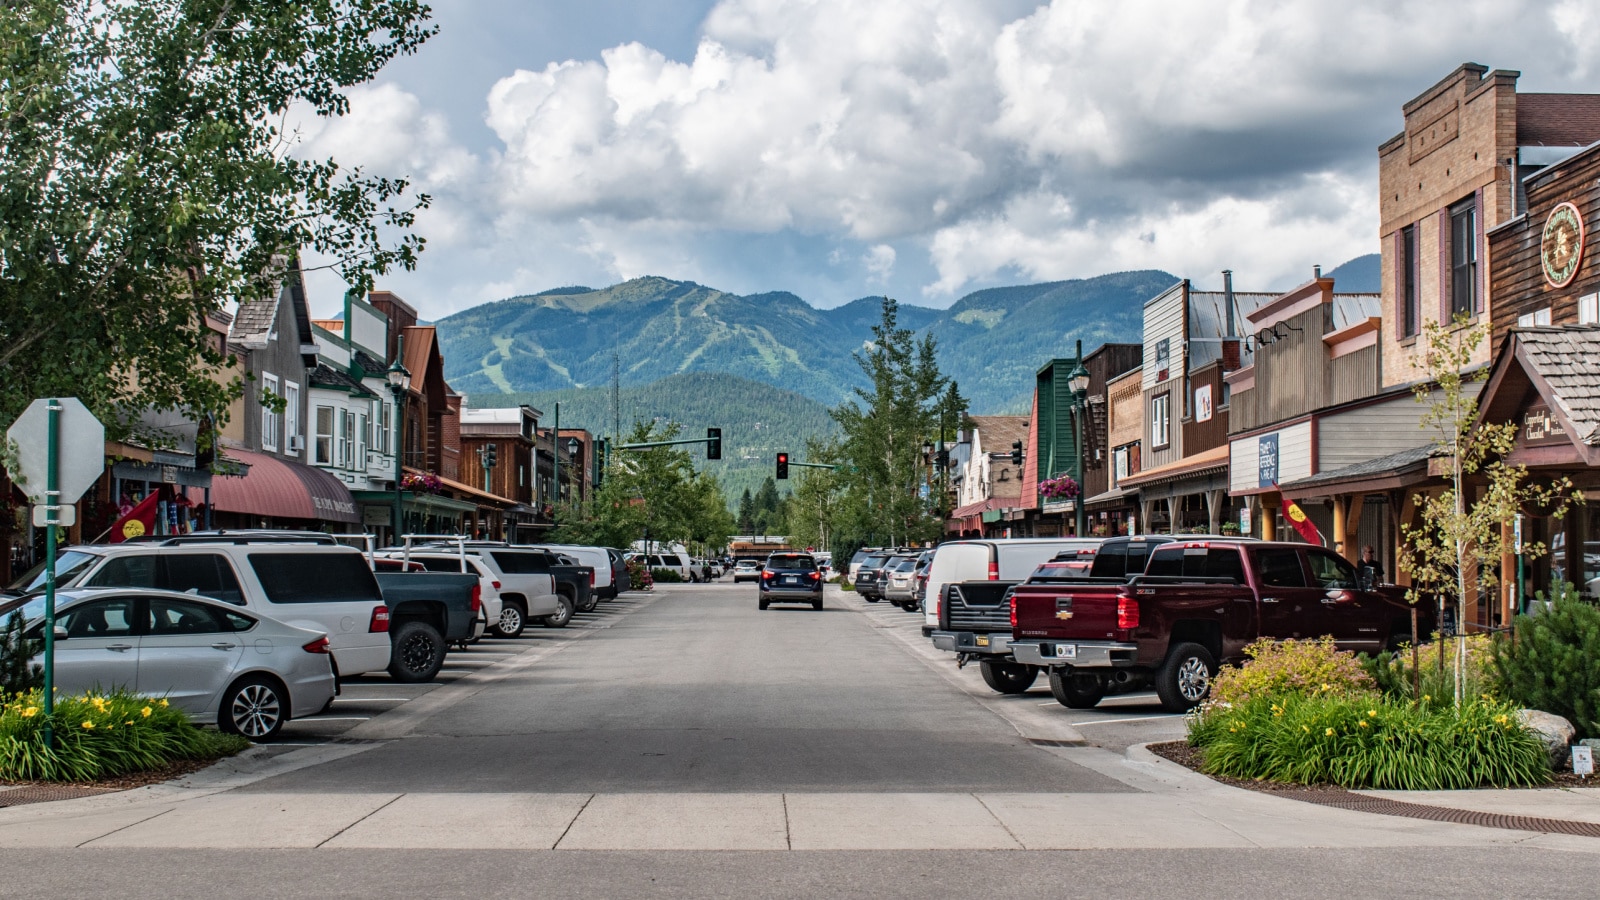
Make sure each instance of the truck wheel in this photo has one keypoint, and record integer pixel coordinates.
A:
(562, 615)
(417, 653)
(1185, 678)
(594, 600)
(870, 599)
(762, 602)
(512, 621)
(1076, 691)
(1008, 678)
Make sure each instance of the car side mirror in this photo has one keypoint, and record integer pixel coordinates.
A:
(60, 633)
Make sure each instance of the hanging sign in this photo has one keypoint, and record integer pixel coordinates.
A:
(1561, 247)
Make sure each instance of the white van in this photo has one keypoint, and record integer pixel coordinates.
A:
(671, 560)
(1012, 559)
(597, 558)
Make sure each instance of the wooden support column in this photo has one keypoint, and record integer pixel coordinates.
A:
(1352, 524)
(1508, 571)
(1269, 517)
(1340, 526)
(1214, 511)
(1405, 512)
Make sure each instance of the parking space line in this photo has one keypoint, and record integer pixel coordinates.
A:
(334, 719)
(1135, 719)
(372, 700)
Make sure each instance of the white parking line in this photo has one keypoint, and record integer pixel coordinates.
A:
(335, 719)
(372, 700)
(1137, 719)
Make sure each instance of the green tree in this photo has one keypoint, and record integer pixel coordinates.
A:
(747, 513)
(768, 507)
(813, 508)
(654, 492)
(1458, 529)
(885, 473)
(147, 179)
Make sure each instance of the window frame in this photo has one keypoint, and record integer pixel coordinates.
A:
(1161, 426)
(270, 384)
(1410, 293)
(322, 441)
(1464, 260)
(291, 416)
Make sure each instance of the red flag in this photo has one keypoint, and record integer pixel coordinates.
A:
(136, 522)
(1299, 520)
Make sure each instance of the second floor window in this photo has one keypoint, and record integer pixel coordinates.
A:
(1406, 279)
(270, 419)
(322, 444)
(1464, 258)
(1160, 420)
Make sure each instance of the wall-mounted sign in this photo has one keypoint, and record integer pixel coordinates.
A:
(1267, 467)
(1540, 427)
(1561, 249)
(1202, 403)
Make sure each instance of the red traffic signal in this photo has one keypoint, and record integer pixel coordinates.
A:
(783, 465)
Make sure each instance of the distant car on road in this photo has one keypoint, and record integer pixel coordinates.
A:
(791, 578)
(746, 570)
(247, 673)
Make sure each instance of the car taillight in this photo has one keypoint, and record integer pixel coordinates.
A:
(495, 585)
(766, 575)
(320, 645)
(591, 578)
(994, 571)
(1013, 611)
(1127, 613)
(380, 619)
(477, 596)
(814, 576)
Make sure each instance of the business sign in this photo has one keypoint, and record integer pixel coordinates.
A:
(1202, 403)
(1561, 246)
(1540, 427)
(1267, 465)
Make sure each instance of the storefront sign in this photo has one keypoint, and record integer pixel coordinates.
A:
(1540, 427)
(1244, 521)
(1267, 454)
(1561, 248)
(1202, 403)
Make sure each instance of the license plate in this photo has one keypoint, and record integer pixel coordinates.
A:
(982, 640)
(790, 579)
(1066, 651)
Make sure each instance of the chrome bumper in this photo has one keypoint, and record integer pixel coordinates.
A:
(1078, 654)
(972, 642)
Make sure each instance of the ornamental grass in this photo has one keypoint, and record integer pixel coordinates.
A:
(100, 735)
(1364, 740)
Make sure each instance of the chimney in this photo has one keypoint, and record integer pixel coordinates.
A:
(1227, 299)
(1316, 273)
(1231, 358)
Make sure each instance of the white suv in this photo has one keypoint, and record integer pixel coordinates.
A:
(312, 585)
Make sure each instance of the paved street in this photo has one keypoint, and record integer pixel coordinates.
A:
(685, 743)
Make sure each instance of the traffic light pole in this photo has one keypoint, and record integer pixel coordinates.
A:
(812, 465)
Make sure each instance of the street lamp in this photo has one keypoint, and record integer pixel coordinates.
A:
(1078, 383)
(572, 456)
(398, 377)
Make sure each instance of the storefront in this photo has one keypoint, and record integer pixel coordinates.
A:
(267, 491)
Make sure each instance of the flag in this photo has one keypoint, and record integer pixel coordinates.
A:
(138, 521)
(1299, 520)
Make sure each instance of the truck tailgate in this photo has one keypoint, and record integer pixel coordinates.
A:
(1085, 611)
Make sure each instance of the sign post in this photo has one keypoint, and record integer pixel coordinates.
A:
(61, 445)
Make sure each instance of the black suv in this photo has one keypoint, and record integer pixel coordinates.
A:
(791, 578)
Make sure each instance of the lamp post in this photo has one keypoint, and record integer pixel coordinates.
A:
(1078, 383)
(398, 377)
(572, 457)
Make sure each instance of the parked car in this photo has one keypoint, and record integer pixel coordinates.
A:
(307, 582)
(528, 581)
(790, 578)
(746, 570)
(898, 582)
(1198, 604)
(995, 559)
(677, 563)
(246, 672)
(859, 557)
(869, 574)
(599, 559)
(973, 613)
(494, 614)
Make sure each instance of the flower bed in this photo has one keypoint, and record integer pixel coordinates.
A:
(99, 736)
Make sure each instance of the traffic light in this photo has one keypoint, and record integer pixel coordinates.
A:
(713, 443)
(491, 454)
(1016, 453)
(783, 466)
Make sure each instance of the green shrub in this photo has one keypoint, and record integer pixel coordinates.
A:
(845, 585)
(1370, 742)
(1393, 674)
(666, 576)
(1553, 662)
(100, 735)
(1281, 668)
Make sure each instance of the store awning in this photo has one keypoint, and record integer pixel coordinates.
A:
(1385, 473)
(279, 489)
(1207, 462)
(1114, 496)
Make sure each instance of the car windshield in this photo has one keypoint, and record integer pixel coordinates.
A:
(68, 564)
(873, 562)
(906, 564)
(791, 562)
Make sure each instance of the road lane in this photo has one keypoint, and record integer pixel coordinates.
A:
(701, 691)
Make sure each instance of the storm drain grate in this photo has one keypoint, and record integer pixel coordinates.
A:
(1385, 807)
(44, 793)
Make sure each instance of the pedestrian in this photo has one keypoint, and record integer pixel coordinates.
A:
(1369, 571)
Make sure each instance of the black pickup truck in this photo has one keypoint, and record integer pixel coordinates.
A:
(574, 580)
(428, 613)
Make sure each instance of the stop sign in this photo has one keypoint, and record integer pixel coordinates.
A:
(80, 454)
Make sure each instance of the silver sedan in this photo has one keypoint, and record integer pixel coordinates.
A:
(216, 662)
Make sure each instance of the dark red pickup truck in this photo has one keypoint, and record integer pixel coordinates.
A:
(1198, 604)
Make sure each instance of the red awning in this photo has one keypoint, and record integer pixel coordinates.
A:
(279, 489)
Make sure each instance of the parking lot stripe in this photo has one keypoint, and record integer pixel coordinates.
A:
(1135, 719)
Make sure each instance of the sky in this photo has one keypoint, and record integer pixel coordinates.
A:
(917, 148)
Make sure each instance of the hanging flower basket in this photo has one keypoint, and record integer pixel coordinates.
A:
(426, 483)
(1061, 487)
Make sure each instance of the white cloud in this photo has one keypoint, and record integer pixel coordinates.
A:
(1075, 139)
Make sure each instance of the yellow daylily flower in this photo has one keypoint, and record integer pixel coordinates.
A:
(145, 712)
(88, 724)
(163, 701)
(1329, 732)
(30, 712)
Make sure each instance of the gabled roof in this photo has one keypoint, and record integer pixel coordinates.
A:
(253, 321)
(1568, 360)
(325, 376)
(999, 432)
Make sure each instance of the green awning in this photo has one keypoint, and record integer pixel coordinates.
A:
(422, 502)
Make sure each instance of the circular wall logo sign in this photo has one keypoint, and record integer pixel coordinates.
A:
(132, 528)
(1562, 247)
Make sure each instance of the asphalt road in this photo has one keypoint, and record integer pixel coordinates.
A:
(698, 690)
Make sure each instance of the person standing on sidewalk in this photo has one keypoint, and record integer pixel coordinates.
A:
(1369, 571)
